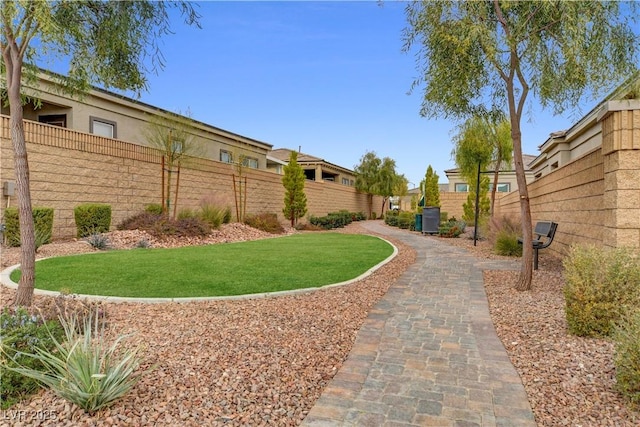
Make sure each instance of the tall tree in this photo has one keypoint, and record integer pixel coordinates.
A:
(367, 177)
(431, 189)
(295, 200)
(502, 145)
(172, 134)
(387, 179)
(107, 42)
(477, 56)
(401, 189)
(469, 207)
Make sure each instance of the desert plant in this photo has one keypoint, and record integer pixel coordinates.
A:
(214, 215)
(602, 286)
(187, 213)
(154, 208)
(265, 222)
(507, 244)
(20, 332)
(43, 224)
(627, 358)
(162, 225)
(143, 244)
(98, 241)
(92, 218)
(82, 369)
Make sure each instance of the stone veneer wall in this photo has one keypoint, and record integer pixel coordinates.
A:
(68, 168)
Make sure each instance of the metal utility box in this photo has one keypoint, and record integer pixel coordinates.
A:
(430, 219)
(8, 188)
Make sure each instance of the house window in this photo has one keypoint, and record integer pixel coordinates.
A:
(462, 188)
(102, 127)
(226, 156)
(345, 181)
(503, 187)
(250, 162)
(54, 120)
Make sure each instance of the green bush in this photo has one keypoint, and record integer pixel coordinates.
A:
(43, 224)
(92, 218)
(507, 244)
(21, 333)
(406, 220)
(266, 222)
(627, 358)
(602, 286)
(187, 213)
(154, 208)
(98, 241)
(82, 369)
(444, 217)
(214, 215)
(332, 220)
(391, 218)
(451, 228)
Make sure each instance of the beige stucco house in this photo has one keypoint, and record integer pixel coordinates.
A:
(315, 168)
(111, 115)
(507, 181)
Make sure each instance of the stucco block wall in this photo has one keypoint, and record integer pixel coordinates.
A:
(573, 196)
(68, 168)
(451, 203)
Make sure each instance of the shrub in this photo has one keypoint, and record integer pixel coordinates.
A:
(507, 244)
(21, 332)
(444, 216)
(359, 216)
(332, 220)
(601, 287)
(187, 213)
(627, 358)
(265, 222)
(406, 220)
(499, 226)
(43, 225)
(162, 226)
(391, 218)
(83, 370)
(451, 228)
(154, 208)
(214, 215)
(92, 218)
(98, 241)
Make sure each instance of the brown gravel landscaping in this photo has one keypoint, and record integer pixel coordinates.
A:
(266, 361)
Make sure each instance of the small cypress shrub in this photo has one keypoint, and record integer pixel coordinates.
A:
(602, 286)
(627, 358)
(92, 218)
(43, 225)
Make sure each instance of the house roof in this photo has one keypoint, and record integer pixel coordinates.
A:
(53, 78)
(526, 159)
(283, 154)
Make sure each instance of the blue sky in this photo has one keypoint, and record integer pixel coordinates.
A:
(328, 77)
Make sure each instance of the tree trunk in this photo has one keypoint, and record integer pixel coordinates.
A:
(24, 294)
(496, 172)
(526, 272)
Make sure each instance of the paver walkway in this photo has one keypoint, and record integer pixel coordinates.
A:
(428, 354)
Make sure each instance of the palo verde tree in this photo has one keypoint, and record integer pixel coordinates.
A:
(111, 43)
(295, 200)
(477, 56)
(172, 134)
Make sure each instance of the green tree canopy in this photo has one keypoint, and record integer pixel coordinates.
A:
(480, 56)
(367, 177)
(107, 42)
(295, 200)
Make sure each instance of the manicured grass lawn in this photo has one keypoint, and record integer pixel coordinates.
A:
(285, 263)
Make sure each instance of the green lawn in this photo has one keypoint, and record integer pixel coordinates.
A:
(285, 263)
